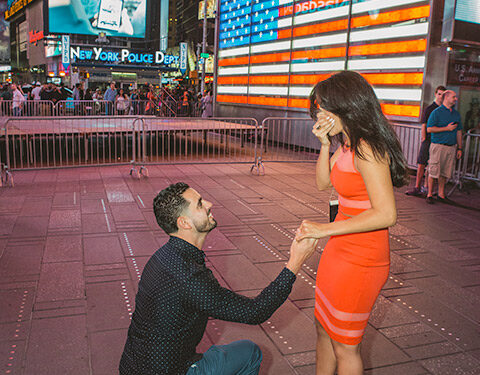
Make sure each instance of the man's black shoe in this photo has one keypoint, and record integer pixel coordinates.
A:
(430, 200)
(444, 200)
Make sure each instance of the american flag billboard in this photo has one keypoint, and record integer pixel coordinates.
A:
(271, 52)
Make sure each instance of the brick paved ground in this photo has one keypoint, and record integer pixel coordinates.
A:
(73, 244)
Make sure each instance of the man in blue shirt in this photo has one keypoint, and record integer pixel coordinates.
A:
(445, 126)
(110, 96)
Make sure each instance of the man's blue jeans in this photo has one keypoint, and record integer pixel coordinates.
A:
(237, 358)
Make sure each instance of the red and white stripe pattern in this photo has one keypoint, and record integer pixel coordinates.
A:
(388, 41)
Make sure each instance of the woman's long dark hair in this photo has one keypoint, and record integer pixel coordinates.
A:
(349, 96)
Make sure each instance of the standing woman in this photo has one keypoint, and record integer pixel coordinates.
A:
(355, 263)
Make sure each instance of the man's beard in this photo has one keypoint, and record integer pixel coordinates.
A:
(206, 226)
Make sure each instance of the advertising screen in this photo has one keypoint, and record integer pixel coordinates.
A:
(4, 36)
(468, 11)
(125, 18)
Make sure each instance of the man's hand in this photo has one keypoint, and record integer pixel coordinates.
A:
(459, 154)
(451, 126)
(300, 251)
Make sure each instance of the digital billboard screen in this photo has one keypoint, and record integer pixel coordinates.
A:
(4, 36)
(468, 11)
(126, 18)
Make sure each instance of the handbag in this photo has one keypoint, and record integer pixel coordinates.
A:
(333, 206)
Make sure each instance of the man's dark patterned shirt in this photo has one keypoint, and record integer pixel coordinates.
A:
(176, 295)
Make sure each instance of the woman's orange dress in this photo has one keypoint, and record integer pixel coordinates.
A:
(353, 267)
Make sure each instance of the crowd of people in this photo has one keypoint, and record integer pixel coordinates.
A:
(21, 100)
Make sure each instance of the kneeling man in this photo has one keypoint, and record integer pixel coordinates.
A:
(178, 293)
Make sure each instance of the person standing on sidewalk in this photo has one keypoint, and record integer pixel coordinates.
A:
(109, 97)
(445, 125)
(424, 154)
(177, 294)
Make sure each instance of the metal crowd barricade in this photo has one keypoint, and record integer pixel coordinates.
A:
(291, 139)
(27, 108)
(195, 140)
(410, 139)
(55, 142)
(468, 167)
(84, 108)
(287, 139)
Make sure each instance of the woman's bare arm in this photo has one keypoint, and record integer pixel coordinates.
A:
(382, 214)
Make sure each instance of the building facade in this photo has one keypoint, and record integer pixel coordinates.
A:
(272, 52)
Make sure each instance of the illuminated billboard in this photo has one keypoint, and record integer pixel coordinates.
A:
(461, 21)
(4, 36)
(272, 52)
(113, 17)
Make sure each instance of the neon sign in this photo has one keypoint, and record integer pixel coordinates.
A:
(34, 36)
(124, 56)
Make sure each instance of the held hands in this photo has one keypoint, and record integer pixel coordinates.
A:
(321, 128)
(300, 251)
(310, 229)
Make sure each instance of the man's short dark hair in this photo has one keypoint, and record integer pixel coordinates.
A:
(440, 88)
(168, 206)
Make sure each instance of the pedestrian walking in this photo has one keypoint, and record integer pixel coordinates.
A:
(424, 152)
(445, 126)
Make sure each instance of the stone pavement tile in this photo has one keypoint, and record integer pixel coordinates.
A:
(475, 353)
(90, 187)
(7, 222)
(291, 330)
(216, 240)
(239, 207)
(278, 214)
(409, 368)
(67, 348)
(458, 364)
(399, 265)
(63, 249)
(451, 295)
(405, 330)
(30, 226)
(107, 307)
(303, 288)
(441, 319)
(377, 350)
(14, 331)
(400, 291)
(271, 193)
(16, 305)
(91, 206)
(149, 217)
(138, 243)
(432, 350)
(12, 354)
(11, 204)
(402, 230)
(135, 267)
(64, 219)
(224, 217)
(60, 281)
(296, 208)
(235, 268)
(274, 234)
(118, 193)
(106, 349)
(387, 314)
(301, 359)
(441, 267)
(102, 249)
(3, 245)
(126, 213)
(97, 223)
(20, 262)
(273, 362)
(36, 207)
(70, 199)
(256, 249)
